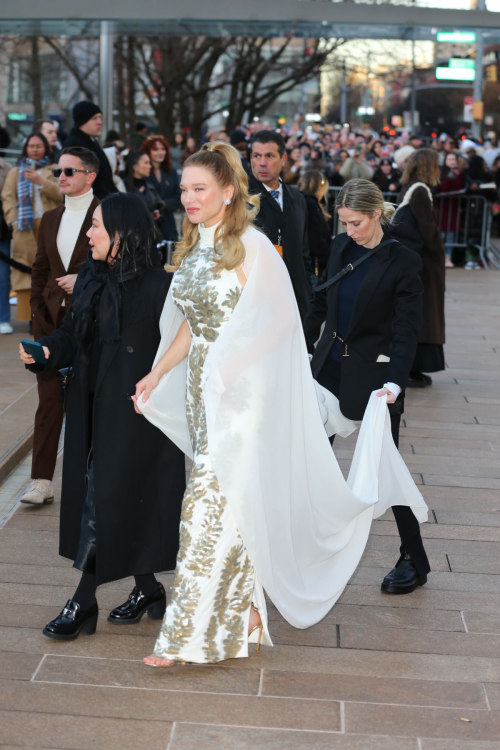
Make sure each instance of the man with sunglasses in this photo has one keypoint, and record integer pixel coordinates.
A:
(62, 249)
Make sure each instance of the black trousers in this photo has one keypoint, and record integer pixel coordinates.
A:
(408, 526)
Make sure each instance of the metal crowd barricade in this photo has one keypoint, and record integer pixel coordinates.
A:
(464, 220)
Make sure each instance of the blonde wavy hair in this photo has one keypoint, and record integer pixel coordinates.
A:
(224, 162)
(366, 198)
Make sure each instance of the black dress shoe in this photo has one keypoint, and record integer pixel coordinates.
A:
(417, 380)
(404, 578)
(428, 379)
(137, 604)
(72, 621)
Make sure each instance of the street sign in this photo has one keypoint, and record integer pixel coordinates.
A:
(455, 74)
(456, 37)
(459, 62)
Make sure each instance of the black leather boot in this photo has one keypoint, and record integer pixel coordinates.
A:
(72, 621)
(137, 604)
(417, 380)
(404, 578)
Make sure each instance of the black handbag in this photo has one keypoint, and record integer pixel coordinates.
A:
(64, 377)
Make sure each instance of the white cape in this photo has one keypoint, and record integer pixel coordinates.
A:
(304, 526)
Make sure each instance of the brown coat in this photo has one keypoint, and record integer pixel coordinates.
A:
(46, 295)
(433, 255)
(24, 243)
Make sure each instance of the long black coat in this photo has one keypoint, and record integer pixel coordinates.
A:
(139, 474)
(169, 191)
(319, 233)
(103, 184)
(433, 270)
(291, 224)
(386, 317)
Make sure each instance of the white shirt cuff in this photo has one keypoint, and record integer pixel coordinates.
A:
(393, 388)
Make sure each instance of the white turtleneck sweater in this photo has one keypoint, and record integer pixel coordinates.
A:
(207, 234)
(75, 211)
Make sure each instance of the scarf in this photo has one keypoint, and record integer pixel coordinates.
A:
(25, 219)
(98, 289)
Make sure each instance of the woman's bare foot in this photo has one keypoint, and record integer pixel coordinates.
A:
(254, 621)
(157, 661)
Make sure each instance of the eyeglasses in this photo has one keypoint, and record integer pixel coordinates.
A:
(70, 171)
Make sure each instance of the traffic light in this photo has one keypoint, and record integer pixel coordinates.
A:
(491, 73)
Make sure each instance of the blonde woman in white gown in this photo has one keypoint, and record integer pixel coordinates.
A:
(266, 506)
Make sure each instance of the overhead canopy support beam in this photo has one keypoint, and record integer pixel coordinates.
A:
(314, 18)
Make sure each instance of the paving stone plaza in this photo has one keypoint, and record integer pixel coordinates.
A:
(416, 672)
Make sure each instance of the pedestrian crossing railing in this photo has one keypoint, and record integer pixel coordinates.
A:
(464, 220)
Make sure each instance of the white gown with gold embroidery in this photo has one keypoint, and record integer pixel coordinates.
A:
(209, 609)
(267, 506)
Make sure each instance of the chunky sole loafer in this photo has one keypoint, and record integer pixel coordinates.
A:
(72, 622)
(402, 588)
(137, 605)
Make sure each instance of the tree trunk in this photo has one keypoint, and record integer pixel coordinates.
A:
(36, 80)
(120, 87)
(131, 75)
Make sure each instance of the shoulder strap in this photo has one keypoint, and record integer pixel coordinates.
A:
(351, 266)
(407, 198)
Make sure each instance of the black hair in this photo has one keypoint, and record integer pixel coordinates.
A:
(132, 159)
(127, 217)
(270, 136)
(140, 126)
(112, 135)
(48, 150)
(476, 167)
(86, 156)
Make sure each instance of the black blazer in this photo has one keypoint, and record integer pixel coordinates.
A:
(139, 474)
(291, 222)
(387, 314)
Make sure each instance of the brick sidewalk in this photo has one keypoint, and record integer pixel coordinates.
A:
(378, 673)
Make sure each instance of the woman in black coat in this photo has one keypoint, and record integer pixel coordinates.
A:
(138, 173)
(314, 187)
(166, 182)
(387, 177)
(417, 221)
(123, 480)
(372, 317)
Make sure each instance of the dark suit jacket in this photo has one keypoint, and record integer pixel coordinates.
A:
(387, 313)
(46, 295)
(291, 223)
(103, 184)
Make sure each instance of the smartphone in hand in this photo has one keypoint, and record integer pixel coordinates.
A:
(35, 350)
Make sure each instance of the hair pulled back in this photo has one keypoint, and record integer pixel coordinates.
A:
(224, 162)
(366, 198)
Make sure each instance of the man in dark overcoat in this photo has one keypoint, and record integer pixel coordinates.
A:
(283, 212)
(87, 118)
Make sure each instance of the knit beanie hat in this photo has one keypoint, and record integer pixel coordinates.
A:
(84, 111)
(403, 154)
(237, 137)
